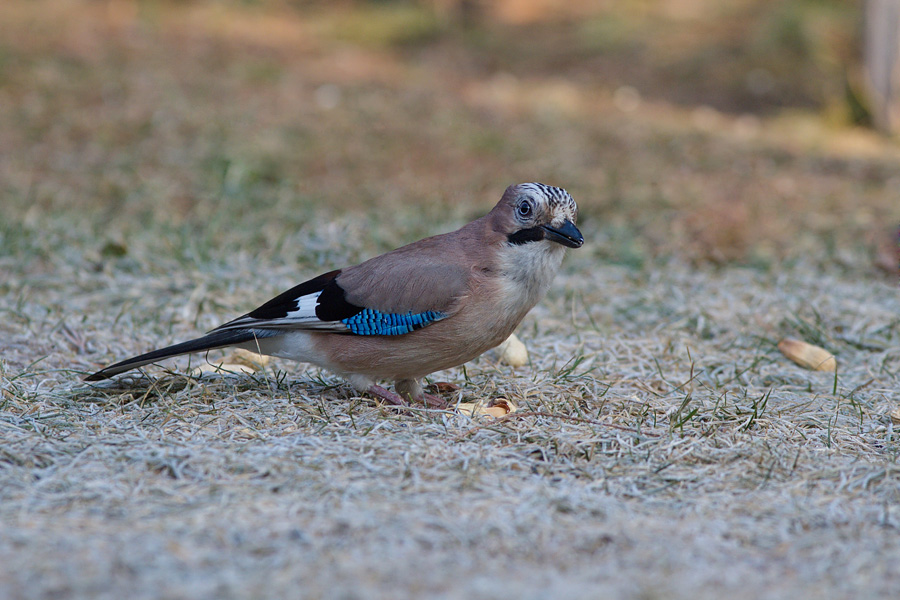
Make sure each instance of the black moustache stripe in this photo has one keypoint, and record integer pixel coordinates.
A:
(523, 236)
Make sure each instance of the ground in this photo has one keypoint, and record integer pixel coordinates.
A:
(168, 166)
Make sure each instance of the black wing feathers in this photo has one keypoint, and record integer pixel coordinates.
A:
(282, 304)
(333, 305)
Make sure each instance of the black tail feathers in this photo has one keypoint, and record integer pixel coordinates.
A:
(211, 341)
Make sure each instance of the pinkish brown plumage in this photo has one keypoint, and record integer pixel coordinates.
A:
(428, 306)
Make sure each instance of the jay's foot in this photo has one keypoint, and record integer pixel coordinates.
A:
(389, 397)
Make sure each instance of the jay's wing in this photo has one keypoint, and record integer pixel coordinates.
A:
(378, 297)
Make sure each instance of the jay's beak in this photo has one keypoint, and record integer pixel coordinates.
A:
(567, 234)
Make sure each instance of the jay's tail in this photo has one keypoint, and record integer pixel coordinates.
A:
(211, 341)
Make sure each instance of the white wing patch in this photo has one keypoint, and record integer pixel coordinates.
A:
(303, 317)
(306, 309)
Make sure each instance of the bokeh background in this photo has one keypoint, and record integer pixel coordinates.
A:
(715, 132)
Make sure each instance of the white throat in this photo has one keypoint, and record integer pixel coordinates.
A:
(526, 271)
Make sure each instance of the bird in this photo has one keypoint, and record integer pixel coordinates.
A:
(431, 305)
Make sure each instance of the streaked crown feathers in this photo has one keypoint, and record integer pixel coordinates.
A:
(558, 201)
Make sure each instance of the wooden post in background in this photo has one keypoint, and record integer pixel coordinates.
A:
(882, 67)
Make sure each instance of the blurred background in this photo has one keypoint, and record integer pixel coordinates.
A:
(711, 132)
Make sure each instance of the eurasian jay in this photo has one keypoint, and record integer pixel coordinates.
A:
(431, 305)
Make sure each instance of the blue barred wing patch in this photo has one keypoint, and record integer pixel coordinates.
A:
(373, 322)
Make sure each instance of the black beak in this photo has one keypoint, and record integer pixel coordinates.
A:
(567, 234)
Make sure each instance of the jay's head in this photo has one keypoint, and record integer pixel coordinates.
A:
(537, 213)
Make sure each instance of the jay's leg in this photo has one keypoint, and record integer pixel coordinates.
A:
(393, 399)
(387, 396)
(412, 389)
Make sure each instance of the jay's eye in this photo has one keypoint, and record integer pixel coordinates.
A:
(524, 209)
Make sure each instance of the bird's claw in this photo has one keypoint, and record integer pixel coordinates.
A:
(394, 399)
